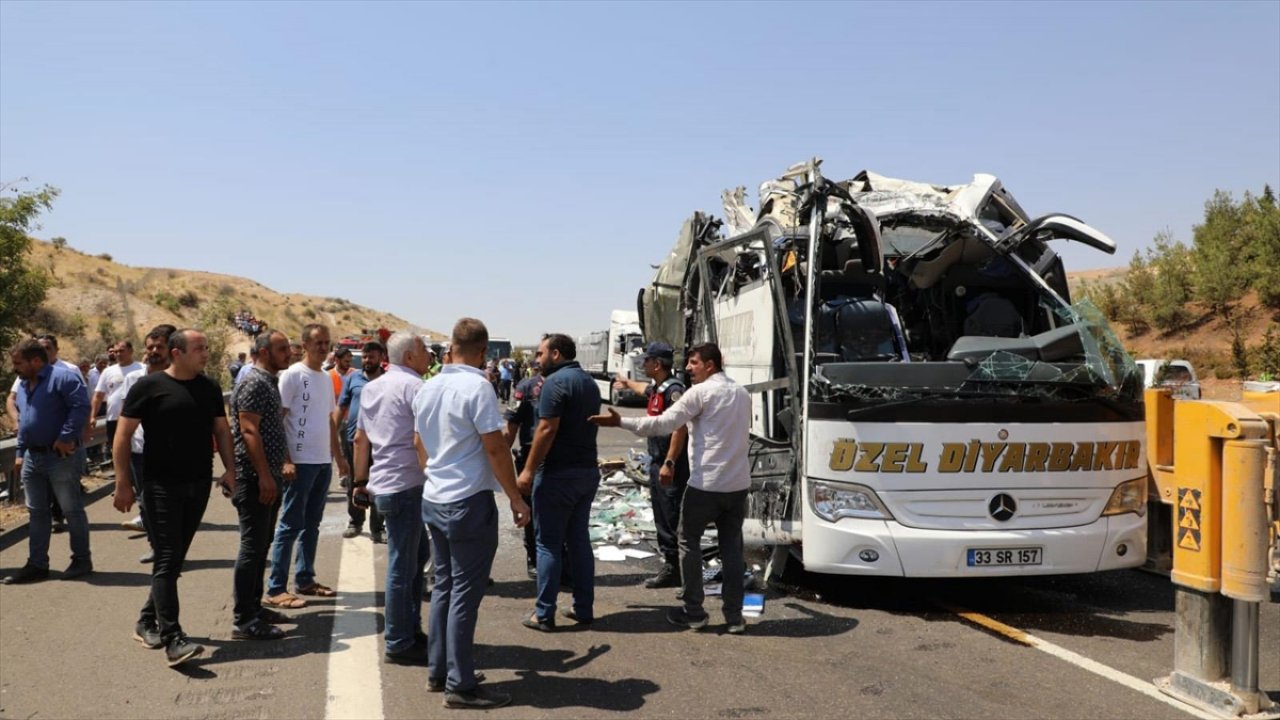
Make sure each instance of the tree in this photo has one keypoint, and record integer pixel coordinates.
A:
(1222, 255)
(22, 285)
(1136, 294)
(1269, 354)
(1171, 265)
(1262, 230)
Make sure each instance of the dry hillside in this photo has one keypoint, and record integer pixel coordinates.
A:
(93, 299)
(1207, 343)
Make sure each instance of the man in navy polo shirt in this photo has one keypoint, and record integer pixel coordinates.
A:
(562, 472)
(53, 407)
(348, 414)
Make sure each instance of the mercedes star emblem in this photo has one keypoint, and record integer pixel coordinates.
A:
(1002, 507)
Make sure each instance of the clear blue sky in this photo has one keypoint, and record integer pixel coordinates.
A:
(526, 163)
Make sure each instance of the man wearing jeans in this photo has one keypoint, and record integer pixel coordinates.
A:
(181, 411)
(562, 472)
(457, 420)
(346, 415)
(718, 413)
(306, 401)
(258, 430)
(384, 432)
(53, 407)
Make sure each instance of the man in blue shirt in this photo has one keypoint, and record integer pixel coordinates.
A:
(563, 474)
(347, 414)
(53, 407)
(457, 420)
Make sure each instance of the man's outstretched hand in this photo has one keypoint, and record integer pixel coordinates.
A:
(613, 419)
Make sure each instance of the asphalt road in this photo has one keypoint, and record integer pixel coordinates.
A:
(826, 647)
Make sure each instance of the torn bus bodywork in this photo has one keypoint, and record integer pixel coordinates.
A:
(858, 309)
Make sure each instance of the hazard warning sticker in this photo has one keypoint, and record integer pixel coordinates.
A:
(1188, 530)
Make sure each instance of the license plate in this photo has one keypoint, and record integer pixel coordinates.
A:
(980, 557)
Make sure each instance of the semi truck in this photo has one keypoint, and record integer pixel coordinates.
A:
(926, 399)
(605, 354)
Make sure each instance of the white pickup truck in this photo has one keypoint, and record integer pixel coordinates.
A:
(1175, 374)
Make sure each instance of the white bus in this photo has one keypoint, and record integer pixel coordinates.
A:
(926, 400)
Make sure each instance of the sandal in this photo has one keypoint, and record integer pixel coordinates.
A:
(285, 600)
(257, 630)
(318, 590)
(534, 623)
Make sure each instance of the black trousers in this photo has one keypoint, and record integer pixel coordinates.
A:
(666, 503)
(174, 511)
(355, 515)
(257, 529)
(530, 538)
(111, 434)
(726, 510)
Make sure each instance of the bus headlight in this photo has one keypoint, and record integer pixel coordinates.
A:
(832, 501)
(1128, 497)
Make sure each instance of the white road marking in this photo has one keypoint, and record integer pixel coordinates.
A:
(1080, 661)
(355, 673)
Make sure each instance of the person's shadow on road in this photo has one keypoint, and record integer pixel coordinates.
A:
(542, 684)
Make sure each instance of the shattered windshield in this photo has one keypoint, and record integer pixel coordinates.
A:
(1107, 372)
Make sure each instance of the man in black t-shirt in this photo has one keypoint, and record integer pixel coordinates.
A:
(180, 411)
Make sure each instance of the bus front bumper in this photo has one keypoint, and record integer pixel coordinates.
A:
(885, 547)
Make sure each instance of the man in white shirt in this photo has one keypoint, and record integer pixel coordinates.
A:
(718, 413)
(311, 446)
(108, 389)
(457, 420)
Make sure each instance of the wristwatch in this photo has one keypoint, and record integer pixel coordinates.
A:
(669, 463)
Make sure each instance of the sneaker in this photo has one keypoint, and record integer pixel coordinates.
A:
(149, 557)
(77, 568)
(148, 634)
(134, 524)
(378, 537)
(59, 526)
(350, 532)
(26, 574)
(737, 628)
(667, 577)
(477, 698)
(680, 618)
(180, 650)
(436, 686)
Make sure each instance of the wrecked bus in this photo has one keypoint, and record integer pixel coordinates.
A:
(926, 399)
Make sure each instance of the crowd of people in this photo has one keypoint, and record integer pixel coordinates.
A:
(246, 323)
(422, 446)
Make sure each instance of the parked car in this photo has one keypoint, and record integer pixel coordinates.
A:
(1176, 374)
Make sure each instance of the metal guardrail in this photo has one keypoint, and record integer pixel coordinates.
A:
(12, 484)
(9, 457)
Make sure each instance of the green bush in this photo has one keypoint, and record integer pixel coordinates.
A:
(167, 301)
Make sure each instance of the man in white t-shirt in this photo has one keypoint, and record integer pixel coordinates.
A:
(311, 446)
(108, 390)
